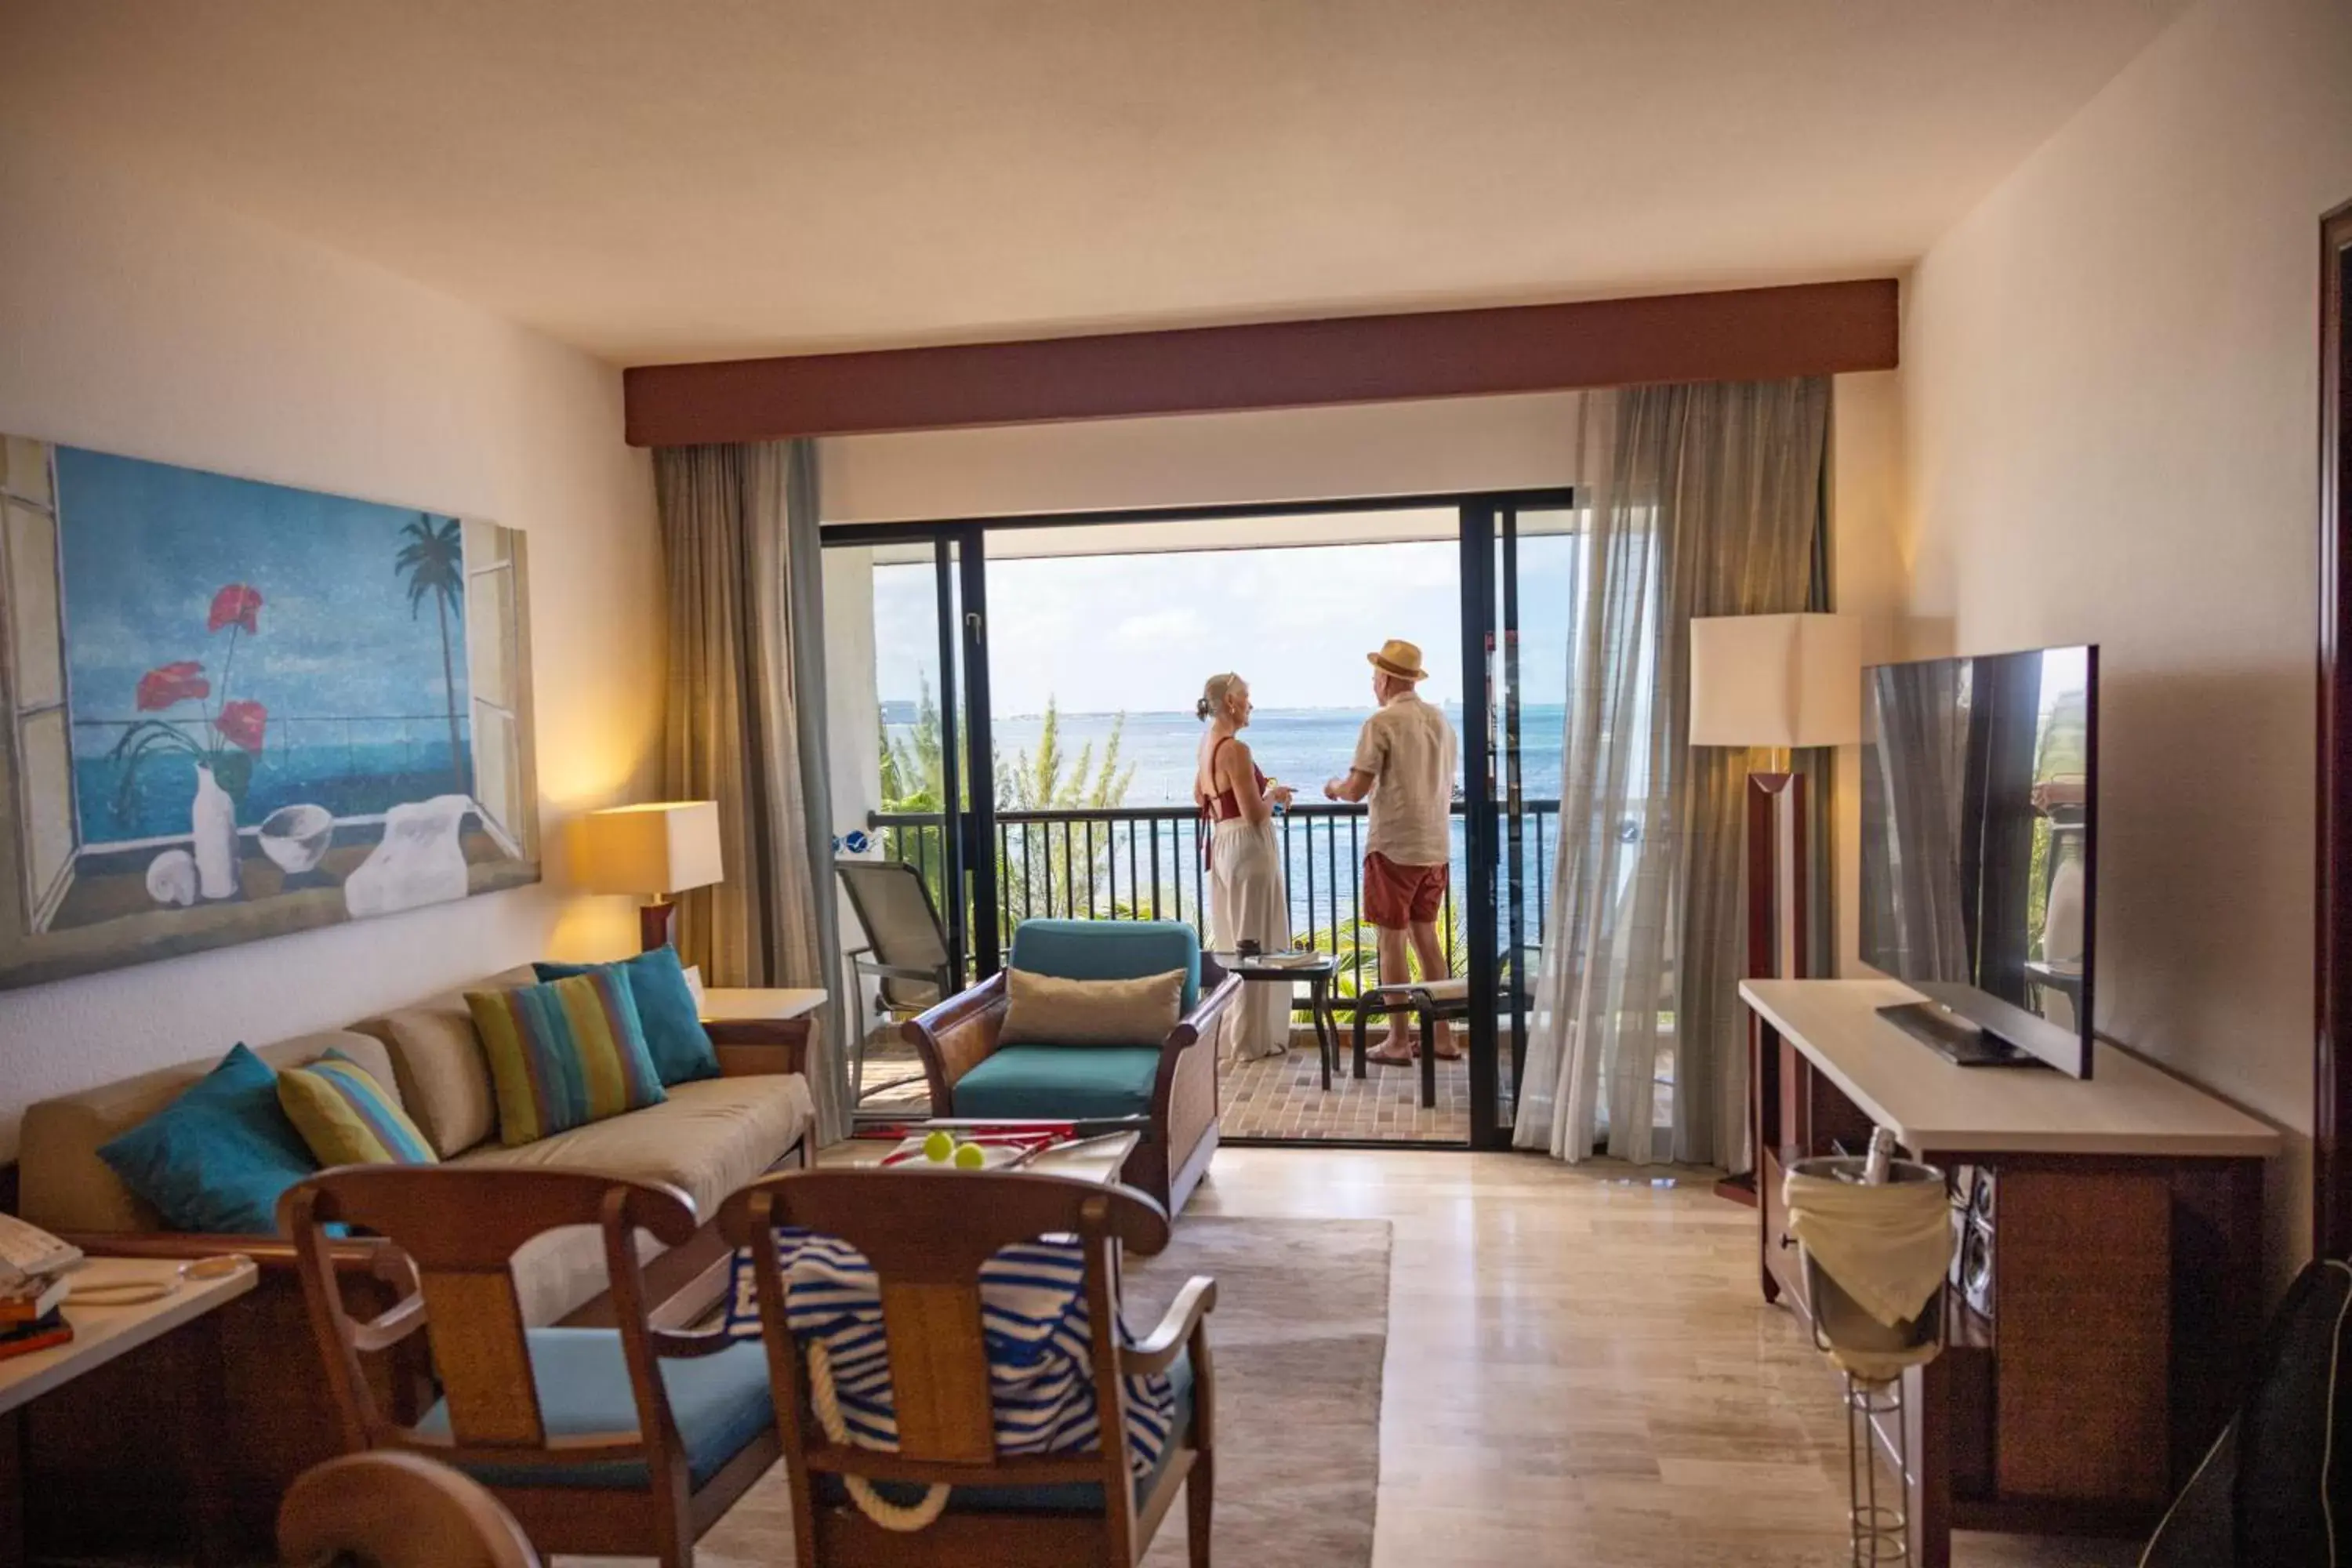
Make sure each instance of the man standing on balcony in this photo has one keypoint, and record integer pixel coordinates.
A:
(1404, 767)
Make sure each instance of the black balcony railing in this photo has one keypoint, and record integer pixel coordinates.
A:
(1144, 863)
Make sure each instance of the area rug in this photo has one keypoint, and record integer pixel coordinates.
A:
(1298, 1337)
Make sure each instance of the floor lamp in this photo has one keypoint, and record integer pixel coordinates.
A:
(1776, 683)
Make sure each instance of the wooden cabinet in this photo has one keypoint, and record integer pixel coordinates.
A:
(2125, 1285)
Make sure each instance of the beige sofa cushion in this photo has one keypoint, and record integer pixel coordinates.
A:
(66, 1186)
(708, 1138)
(445, 1079)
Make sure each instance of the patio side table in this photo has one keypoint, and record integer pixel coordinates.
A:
(1319, 974)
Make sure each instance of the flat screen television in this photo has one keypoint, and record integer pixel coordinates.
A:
(1979, 841)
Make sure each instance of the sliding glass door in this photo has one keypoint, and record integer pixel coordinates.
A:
(907, 677)
(1520, 560)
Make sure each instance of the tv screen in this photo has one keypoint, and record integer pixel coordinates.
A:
(1978, 821)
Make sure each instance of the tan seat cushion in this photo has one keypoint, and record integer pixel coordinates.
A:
(64, 1185)
(445, 1079)
(708, 1138)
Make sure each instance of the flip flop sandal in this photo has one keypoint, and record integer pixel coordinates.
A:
(1384, 1059)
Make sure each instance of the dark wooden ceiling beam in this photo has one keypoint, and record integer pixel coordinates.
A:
(1744, 334)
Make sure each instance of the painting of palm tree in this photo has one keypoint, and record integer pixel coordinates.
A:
(433, 561)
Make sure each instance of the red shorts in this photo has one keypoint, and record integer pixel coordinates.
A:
(1396, 896)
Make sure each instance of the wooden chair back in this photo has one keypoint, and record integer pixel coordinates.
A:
(460, 1229)
(396, 1510)
(927, 1235)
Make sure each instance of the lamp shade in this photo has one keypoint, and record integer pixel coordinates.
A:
(1776, 680)
(655, 849)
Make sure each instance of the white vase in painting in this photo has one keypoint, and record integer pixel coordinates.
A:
(213, 824)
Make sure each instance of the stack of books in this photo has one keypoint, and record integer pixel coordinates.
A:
(33, 1289)
(30, 1319)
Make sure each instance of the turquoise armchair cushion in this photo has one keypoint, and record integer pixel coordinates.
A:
(1057, 1083)
(1109, 949)
(720, 1402)
(219, 1157)
(1070, 1497)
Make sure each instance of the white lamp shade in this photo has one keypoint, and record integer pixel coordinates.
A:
(1776, 680)
(656, 849)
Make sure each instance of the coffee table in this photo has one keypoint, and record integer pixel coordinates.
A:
(1318, 975)
(1098, 1155)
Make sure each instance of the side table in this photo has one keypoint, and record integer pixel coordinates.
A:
(760, 1030)
(1319, 974)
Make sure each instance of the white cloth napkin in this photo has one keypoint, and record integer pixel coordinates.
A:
(1888, 1247)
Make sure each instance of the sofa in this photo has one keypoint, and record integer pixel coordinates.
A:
(107, 1482)
(1169, 1084)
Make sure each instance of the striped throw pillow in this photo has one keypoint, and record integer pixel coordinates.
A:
(347, 1119)
(564, 1054)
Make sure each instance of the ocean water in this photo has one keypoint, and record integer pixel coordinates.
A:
(357, 779)
(1300, 746)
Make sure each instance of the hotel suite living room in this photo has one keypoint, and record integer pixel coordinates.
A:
(1547, 783)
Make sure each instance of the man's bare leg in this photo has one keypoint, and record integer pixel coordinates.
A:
(1432, 953)
(1395, 971)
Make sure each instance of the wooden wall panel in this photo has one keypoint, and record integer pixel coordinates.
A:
(1741, 335)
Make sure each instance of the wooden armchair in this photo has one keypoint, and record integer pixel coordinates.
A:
(630, 1440)
(927, 1236)
(1173, 1083)
(396, 1510)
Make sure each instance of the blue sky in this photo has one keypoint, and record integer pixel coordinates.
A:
(1141, 633)
(148, 544)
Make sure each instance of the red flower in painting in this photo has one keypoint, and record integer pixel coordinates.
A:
(170, 683)
(242, 723)
(236, 605)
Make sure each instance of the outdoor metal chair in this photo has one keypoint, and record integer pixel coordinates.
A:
(906, 950)
(1436, 1002)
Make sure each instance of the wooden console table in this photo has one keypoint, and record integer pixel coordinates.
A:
(2125, 1243)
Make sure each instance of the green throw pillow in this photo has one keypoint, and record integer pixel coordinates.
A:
(675, 1037)
(564, 1054)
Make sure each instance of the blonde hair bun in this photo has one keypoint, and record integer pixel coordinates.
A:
(1213, 694)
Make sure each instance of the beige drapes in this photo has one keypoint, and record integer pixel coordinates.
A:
(1695, 501)
(745, 723)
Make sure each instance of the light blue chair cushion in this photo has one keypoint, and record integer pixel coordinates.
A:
(721, 1402)
(1055, 1083)
(1073, 1496)
(1109, 949)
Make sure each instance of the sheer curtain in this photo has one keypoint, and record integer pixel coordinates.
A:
(1695, 500)
(746, 725)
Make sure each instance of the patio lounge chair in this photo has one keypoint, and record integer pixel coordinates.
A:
(905, 950)
(1435, 1002)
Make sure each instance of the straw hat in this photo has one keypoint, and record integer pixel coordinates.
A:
(1400, 658)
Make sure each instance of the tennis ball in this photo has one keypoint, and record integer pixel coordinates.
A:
(970, 1157)
(940, 1147)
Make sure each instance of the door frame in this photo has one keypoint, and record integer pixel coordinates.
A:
(1482, 517)
(2332, 1014)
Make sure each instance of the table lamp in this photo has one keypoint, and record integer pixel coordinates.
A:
(1776, 683)
(650, 850)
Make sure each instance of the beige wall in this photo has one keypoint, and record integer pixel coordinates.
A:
(2110, 414)
(141, 323)
(1204, 460)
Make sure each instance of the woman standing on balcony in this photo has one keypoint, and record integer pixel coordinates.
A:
(1246, 898)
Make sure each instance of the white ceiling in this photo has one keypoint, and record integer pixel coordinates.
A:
(681, 179)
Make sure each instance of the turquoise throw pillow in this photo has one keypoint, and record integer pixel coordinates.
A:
(675, 1037)
(218, 1158)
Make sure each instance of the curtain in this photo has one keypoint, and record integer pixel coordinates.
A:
(746, 726)
(1695, 500)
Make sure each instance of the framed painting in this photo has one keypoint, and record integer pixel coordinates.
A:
(232, 710)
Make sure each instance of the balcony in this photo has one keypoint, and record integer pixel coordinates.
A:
(1144, 863)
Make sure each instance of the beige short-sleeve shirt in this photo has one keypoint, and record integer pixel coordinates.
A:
(1408, 748)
